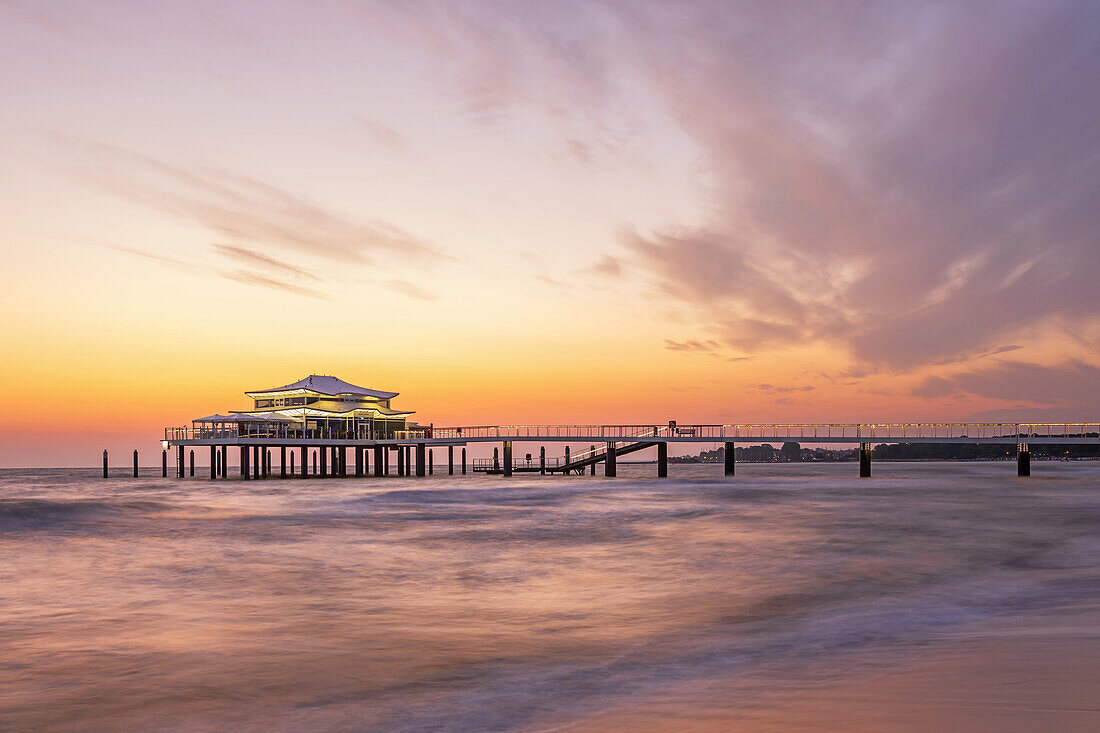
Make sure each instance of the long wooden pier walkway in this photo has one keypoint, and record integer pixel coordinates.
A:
(411, 450)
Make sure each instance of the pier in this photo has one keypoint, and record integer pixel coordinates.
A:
(413, 446)
(324, 419)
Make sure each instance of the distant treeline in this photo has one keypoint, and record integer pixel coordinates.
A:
(768, 453)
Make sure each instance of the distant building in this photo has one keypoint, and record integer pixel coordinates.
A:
(320, 403)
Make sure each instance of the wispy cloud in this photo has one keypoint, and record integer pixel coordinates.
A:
(773, 389)
(691, 345)
(252, 257)
(246, 210)
(384, 135)
(412, 290)
(254, 278)
(1072, 382)
(608, 266)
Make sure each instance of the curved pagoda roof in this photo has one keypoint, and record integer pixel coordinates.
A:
(326, 385)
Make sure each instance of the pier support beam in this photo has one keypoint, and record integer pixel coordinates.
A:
(305, 462)
(358, 461)
(431, 461)
(507, 458)
(1023, 459)
(225, 461)
(450, 460)
(135, 464)
(566, 473)
(609, 468)
(420, 460)
(343, 461)
(662, 460)
(191, 467)
(864, 460)
(592, 466)
(379, 461)
(164, 464)
(496, 458)
(256, 461)
(104, 464)
(213, 462)
(323, 453)
(244, 462)
(267, 462)
(179, 461)
(463, 461)
(314, 463)
(400, 461)
(542, 460)
(386, 460)
(408, 460)
(731, 459)
(282, 461)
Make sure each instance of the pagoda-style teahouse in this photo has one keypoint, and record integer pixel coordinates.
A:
(318, 406)
(319, 414)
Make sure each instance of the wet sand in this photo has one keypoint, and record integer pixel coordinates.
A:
(1039, 672)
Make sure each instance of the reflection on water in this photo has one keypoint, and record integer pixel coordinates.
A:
(482, 603)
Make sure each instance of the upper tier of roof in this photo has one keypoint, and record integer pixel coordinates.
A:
(326, 385)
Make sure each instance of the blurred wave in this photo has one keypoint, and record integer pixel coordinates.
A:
(478, 603)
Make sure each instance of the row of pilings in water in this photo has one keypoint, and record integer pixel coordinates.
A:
(328, 461)
(331, 461)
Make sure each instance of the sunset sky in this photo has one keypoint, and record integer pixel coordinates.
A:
(546, 212)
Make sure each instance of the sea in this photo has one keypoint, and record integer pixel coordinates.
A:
(529, 603)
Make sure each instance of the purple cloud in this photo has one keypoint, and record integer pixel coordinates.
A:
(913, 182)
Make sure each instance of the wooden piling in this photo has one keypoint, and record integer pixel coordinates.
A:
(420, 460)
(192, 458)
(135, 464)
(864, 460)
(610, 469)
(104, 463)
(662, 460)
(730, 459)
(1023, 459)
(463, 461)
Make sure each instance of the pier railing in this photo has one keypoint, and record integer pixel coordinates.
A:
(806, 432)
(481, 465)
(289, 432)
